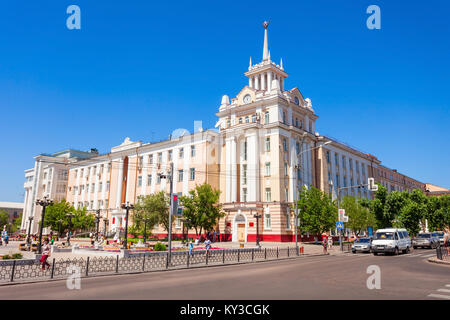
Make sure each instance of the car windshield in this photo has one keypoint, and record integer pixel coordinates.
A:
(364, 240)
(384, 235)
(424, 235)
(440, 234)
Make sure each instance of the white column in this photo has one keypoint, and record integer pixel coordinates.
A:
(250, 82)
(263, 81)
(253, 167)
(257, 82)
(186, 171)
(269, 81)
(306, 124)
(233, 171)
(144, 174)
(96, 186)
(104, 180)
(228, 169)
(119, 184)
(292, 172)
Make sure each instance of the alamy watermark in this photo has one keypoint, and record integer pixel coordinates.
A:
(74, 20)
(374, 20)
(74, 279)
(374, 280)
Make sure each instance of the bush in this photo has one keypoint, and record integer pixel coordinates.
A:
(6, 257)
(17, 256)
(160, 247)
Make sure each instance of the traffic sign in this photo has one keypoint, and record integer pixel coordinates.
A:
(372, 185)
(342, 216)
(339, 225)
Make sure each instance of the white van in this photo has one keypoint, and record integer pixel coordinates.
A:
(391, 240)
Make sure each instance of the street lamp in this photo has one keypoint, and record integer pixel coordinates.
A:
(146, 220)
(29, 229)
(70, 216)
(105, 220)
(257, 216)
(127, 207)
(45, 202)
(97, 221)
(185, 221)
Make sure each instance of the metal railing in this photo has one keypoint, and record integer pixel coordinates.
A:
(21, 271)
(442, 253)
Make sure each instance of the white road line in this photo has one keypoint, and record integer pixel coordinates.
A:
(443, 290)
(447, 285)
(439, 296)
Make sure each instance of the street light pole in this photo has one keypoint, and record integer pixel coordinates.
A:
(127, 207)
(169, 235)
(29, 229)
(44, 203)
(97, 219)
(257, 216)
(145, 229)
(70, 215)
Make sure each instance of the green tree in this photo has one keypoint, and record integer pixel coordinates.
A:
(4, 218)
(82, 219)
(395, 201)
(413, 212)
(359, 216)
(435, 214)
(377, 207)
(56, 212)
(201, 208)
(154, 208)
(317, 212)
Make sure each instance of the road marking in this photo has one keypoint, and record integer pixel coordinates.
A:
(443, 290)
(439, 296)
(447, 285)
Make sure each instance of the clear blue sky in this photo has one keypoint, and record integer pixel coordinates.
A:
(144, 68)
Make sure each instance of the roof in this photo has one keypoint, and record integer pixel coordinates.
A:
(11, 205)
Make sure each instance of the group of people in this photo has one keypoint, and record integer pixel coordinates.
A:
(214, 236)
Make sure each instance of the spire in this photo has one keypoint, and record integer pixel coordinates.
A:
(269, 56)
(281, 63)
(250, 62)
(266, 54)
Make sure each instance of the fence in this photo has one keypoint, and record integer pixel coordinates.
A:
(442, 253)
(18, 271)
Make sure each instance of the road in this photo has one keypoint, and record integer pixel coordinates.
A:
(322, 277)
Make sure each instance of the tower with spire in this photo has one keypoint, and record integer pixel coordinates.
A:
(266, 74)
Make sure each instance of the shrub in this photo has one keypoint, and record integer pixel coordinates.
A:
(160, 247)
(17, 256)
(6, 257)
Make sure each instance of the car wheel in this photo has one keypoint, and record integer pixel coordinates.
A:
(375, 253)
(407, 250)
(415, 247)
(396, 251)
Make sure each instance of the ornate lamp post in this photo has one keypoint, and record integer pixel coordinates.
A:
(45, 202)
(127, 207)
(105, 220)
(97, 222)
(257, 216)
(70, 215)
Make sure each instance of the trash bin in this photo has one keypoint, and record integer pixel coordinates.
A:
(241, 245)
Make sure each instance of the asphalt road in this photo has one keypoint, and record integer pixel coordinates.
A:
(323, 277)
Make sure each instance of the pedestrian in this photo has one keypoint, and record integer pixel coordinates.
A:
(207, 245)
(45, 255)
(446, 242)
(208, 235)
(191, 247)
(330, 242)
(6, 239)
(325, 244)
(214, 236)
(218, 235)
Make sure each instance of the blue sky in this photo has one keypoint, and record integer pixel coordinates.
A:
(142, 69)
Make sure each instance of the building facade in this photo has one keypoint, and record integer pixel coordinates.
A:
(265, 149)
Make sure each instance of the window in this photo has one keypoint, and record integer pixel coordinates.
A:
(244, 194)
(240, 120)
(350, 164)
(267, 144)
(244, 174)
(228, 123)
(268, 195)
(337, 180)
(158, 179)
(87, 188)
(343, 162)
(45, 175)
(345, 181)
(284, 117)
(266, 117)
(254, 118)
(297, 148)
(267, 221)
(178, 222)
(286, 173)
(363, 168)
(150, 159)
(107, 185)
(267, 169)
(92, 204)
(299, 174)
(296, 122)
(328, 156)
(301, 124)
(159, 157)
(92, 188)
(286, 194)
(336, 160)
(247, 119)
(192, 174)
(192, 151)
(98, 204)
(109, 167)
(170, 155)
(245, 150)
(180, 175)
(100, 186)
(357, 166)
(181, 153)
(141, 162)
(285, 148)
(149, 179)
(140, 181)
(288, 218)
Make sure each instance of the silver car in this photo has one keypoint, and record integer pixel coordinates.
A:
(440, 235)
(425, 240)
(362, 245)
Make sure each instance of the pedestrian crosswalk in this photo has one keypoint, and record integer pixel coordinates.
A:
(442, 293)
(422, 255)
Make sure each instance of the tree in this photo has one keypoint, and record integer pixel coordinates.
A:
(359, 216)
(377, 207)
(201, 208)
(58, 212)
(413, 211)
(82, 219)
(317, 212)
(4, 218)
(435, 215)
(154, 208)
(395, 201)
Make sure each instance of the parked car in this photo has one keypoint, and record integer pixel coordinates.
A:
(391, 240)
(440, 235)
(425, 240)
(362, 245)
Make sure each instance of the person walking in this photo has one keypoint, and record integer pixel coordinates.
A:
(325, 244)
(45, 255)
(214, 236)
(218, 235)
(6, 239)
(207, 246)
(191, 247)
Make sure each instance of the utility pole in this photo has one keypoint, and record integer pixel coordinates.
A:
(44, 203)
(169, 235)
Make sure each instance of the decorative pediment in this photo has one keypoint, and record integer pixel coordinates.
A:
(296, 93)
(246, 95)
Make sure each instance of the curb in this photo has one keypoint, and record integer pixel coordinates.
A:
(437, 261)
(162, 270)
